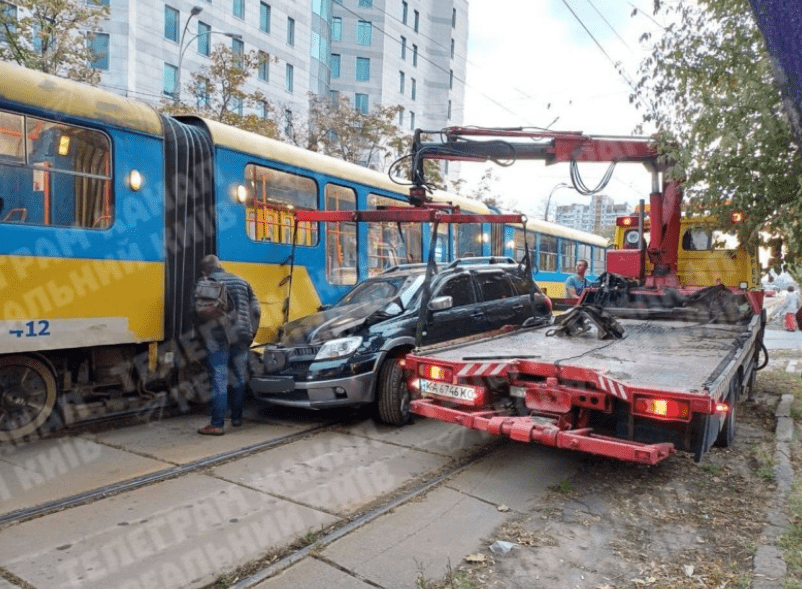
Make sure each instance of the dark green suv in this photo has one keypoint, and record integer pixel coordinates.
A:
(350, 353)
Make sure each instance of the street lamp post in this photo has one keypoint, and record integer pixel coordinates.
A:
(195, 11)
(548, 200)
(177, 93)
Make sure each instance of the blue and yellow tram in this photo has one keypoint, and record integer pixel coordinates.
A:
(107, 207)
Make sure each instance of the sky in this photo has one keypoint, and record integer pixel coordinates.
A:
(532, 63)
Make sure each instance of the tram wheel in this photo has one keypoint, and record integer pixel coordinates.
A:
(27, 396)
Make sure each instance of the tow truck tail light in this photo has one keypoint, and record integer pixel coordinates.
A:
(722, 408)
(627, 221)
(737, 217)
(434, 372)
(662, 408)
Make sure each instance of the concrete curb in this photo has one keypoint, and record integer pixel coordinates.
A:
(769, 564)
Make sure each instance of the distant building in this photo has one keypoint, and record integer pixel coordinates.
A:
(601, 212)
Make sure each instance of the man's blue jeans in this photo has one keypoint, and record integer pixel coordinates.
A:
(219, 360)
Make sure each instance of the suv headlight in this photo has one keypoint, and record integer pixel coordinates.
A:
(338, 348)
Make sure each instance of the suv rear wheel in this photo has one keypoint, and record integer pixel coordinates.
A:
(392, 394)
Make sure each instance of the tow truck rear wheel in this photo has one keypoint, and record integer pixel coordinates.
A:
(392, 394)
(27, 396)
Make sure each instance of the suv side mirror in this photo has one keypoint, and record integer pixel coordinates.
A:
(440, 303)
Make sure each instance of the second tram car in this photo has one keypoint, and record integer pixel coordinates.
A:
(107, 208)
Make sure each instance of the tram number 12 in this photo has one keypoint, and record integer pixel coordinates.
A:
(35, 329)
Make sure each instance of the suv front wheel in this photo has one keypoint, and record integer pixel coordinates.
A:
(392, 394)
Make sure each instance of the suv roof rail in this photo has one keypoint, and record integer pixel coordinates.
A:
(411, 266)
(481, 260)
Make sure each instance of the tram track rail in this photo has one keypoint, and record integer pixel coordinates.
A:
(21, 515)
(338, 531)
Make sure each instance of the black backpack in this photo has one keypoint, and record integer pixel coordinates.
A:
(211, 299)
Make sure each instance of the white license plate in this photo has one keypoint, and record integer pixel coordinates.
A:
(443, 389)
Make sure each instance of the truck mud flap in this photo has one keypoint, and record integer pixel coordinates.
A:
(526, 429)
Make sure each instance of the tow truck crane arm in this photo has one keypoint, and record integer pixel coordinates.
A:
(551, 147)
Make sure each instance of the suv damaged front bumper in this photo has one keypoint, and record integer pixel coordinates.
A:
(322, 394)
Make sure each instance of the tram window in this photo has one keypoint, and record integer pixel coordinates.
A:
(61, 174)
(548, 253)
(584, 252)
(519, 249)
(341, 241)
(567, 255)
(274, 196)
(470, 240)
(387, 246)
(599, 260)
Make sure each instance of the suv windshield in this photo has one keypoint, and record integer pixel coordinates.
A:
(386, 288)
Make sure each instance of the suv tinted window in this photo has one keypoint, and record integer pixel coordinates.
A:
(494, 286)
(520, 283)
(459, 288)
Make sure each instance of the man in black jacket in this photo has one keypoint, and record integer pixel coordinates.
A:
(227, 341)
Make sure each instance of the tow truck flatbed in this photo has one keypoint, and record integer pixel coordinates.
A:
(700, 354)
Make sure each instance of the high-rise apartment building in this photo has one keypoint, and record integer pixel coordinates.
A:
(601, 212)
(377, 52)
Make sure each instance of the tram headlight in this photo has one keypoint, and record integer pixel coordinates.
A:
(241, 193)
(134, 180)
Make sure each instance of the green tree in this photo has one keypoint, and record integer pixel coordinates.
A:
(52, 36)
(708, 88)
(336, 128)
(216, 92)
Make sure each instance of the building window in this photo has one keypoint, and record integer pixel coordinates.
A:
(337, 28)
(265, 109)
(170, 81)
(449, 110)
(366, 3)
(335, 65)
(412, 120)
(453, 18)
(363, 32)
(415, 20)
(361, 103)
(404, 12)
(238, 46)
(452, 48)
(171, 21)
(238, 9)
(288, 81)
(338, 1)
(413, 88)
(401, 118)
(99, 45)
(204, 38)
(202, 98)
(401, 82)
(450, 79)
(415, 56)
(264, 66)
(290, 31)
(264, 17)
(362, 69)
(403, 47)
(10, 13)
(236, 105)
